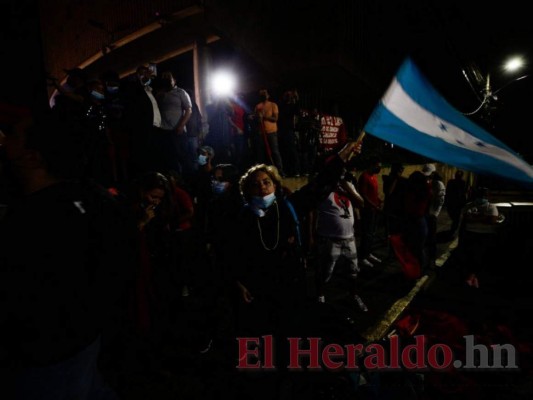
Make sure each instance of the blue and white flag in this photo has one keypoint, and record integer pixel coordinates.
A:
(413, 115)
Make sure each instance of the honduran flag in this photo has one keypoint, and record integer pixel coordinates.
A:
(413, 115)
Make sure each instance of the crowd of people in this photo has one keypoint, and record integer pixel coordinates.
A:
(118, 208)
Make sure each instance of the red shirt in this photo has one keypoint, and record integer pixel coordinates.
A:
(183, 203)
(369, 189)
(238, 118)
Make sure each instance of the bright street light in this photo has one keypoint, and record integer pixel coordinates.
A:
(223, 83)
(514, 64)
(489, 94)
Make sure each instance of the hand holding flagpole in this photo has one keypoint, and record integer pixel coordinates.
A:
(351, 148)
(358, 145)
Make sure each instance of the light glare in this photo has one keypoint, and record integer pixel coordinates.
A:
(223, 84)
(514, 64)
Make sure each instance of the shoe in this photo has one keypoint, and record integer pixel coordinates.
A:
(373, 258)
(321, 299)
(367, 263)
(362, 306)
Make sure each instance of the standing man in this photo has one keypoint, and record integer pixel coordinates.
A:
(141, 121)
(438, 193)
(289, 113)
(236, 120)
(176, 110)
(369, 190)
(266, 115)
(456, 195)
(336, 238)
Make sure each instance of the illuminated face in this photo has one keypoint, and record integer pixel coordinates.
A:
(262, 185)
(154, 196)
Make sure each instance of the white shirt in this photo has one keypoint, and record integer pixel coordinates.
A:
(336, 216)
(157, 114)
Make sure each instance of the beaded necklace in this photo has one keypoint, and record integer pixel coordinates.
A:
(261, 232)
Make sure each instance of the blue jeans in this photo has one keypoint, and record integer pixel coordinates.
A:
(75, 378)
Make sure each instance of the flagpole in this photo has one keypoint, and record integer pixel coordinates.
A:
(358, 141)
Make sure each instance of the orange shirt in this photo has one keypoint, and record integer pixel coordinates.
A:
(269, 109)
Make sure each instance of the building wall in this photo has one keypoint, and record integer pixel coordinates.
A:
(75, 30)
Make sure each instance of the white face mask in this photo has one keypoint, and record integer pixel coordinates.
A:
(97, 95)
(202, 160)
(265, 201)
(219, 187)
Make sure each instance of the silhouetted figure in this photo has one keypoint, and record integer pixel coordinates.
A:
(456, 196)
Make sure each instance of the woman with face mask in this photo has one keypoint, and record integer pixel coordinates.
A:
(268, 264)
(149, 203)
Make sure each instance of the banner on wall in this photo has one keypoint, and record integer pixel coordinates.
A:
(332, 133)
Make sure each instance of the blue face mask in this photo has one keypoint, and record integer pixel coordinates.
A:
(202, 160)
(219, 187)
(482, 202)
(112, 89)
(97, 95)
(263, 202)
(147, 82)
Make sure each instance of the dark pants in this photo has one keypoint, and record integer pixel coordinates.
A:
(432, 237)
(369, 219)
(274, 151)
(416, 232)
(455, 216)
(289, 146)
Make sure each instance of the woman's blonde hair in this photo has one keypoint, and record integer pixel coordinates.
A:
(245, 183)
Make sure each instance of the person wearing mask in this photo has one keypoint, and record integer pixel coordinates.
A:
(438, 194)
(201, 186)
(69, 96)
(239, 138)
(141, 122)
(266, 248)
(336, 237)
(176, 109)
(114, 109)
(98, 141)
(289, 114)
(266, 118)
